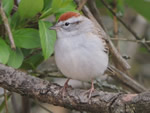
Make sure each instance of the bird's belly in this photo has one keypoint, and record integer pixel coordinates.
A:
(80, 63)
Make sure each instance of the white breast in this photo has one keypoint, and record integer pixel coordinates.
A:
(81, 58)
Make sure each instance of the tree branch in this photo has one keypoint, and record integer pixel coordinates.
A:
(7, 27)
(130, 40)
(125, 25)
(44, 91)
(126, 80)
(81, 5)
(95, 12)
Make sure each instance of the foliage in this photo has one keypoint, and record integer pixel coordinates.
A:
(140, 6)
(30, 31)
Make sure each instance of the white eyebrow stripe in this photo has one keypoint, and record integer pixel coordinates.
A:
(70, 20)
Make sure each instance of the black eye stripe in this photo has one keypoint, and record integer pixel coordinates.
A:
(67, 23)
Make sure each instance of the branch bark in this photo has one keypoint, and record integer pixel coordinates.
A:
(44, 91)
(7, 26)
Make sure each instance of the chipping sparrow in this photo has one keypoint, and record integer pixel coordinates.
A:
(80, 51)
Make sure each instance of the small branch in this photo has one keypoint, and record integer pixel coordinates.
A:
(125, 25)
(130, 40)
(95, 12)
(34, 53)
(81, 4)
(7, 27)
(5, 97)
(44, 91)
(16, 2)
(8, 94)
(115, 24)
(126, 80)
(48, 73)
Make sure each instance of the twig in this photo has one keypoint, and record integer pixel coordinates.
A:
(125, 79)
(7, 27)
(33, 53)
(16, 2)
(51, 73)
(8, 94)
(5, 97)
(125, 25)
(95, 12)
(130, 40)
(115, 24)
(81, 5)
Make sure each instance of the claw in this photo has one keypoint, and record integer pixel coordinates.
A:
(63, 90)
(89, 92)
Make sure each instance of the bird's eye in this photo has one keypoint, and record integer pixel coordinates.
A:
(67, 23)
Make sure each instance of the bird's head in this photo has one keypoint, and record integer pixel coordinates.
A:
(71, 23)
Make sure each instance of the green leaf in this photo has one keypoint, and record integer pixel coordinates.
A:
(141, 6)
(63, 6)
(58, 7)
(7, 5)
(29, 8)
(16, 21)
(46, 13)
(33, 61)
(4, 51)
(68, 5)
(56, 4)
(47, 4)
(47, 37)
(48, 10)
(27, 38)
(16, 58)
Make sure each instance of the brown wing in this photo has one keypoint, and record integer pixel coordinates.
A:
(106, 49)
(102, 36)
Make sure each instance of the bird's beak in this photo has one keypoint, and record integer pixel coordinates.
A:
(54, 27)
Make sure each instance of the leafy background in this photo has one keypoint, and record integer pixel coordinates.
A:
(30, 21)
(31, 31)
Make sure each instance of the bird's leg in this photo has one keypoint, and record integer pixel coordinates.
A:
(91, 89)
(63, 89)
(89, 92)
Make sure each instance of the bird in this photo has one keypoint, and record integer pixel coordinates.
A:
(81, 52)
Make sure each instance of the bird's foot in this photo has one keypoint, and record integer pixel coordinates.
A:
(90, 91)
(63, 90)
